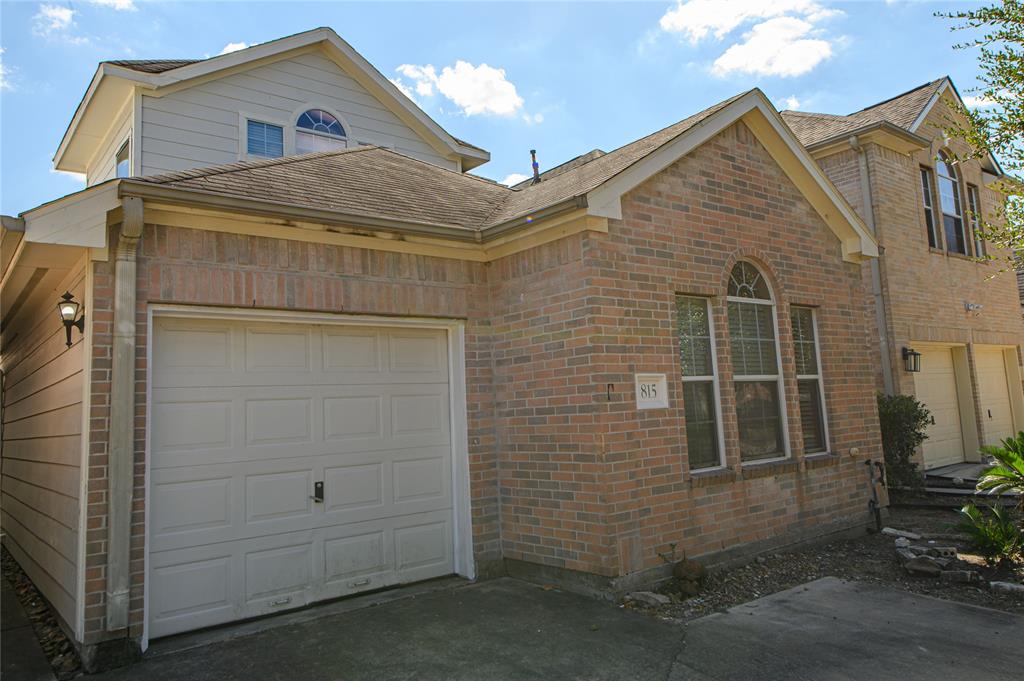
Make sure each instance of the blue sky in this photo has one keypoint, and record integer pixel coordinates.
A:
(563, 78)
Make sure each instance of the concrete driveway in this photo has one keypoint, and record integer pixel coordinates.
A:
(505, 629)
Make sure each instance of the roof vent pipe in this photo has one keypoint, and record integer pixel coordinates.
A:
(536, 166)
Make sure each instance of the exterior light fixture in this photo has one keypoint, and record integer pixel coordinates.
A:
(68, 308)
(911, 360)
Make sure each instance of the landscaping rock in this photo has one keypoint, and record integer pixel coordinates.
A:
(906, 554)
(960, 576)
(924, 566)
(649, 598)
(900, 533)
(902, 543)
(1007, 587)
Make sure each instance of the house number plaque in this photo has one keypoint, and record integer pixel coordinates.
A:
(651, 391)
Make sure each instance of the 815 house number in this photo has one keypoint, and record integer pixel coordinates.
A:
(651, 391)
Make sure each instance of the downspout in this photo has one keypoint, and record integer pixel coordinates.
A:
(121, 459)
(876, 272)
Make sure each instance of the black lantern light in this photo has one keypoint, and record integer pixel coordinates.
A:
(68, 308)
(911, 360)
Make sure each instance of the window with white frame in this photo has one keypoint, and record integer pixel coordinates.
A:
(949, 201)
(808, 380)
(700, 381)
(264, 139)
(974, 205)
(318, 130)
(757, 375)
(123, 161)
(927, 183)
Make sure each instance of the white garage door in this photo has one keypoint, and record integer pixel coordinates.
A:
(247, 418)
(935, 386)
(994, 392)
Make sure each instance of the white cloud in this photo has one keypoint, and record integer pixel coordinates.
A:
(514, 178)
(402, 87)
(791, 103)
(119, 5)
(696, 19)
(475, 90)
(533, 119)
(5, 73)
(233, 47)
(52, 19)
(778, 47)
(973, 102)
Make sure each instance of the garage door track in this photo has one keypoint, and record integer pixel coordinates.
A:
(505, 629)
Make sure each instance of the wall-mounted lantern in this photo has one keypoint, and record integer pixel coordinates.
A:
(68, 308)
(911, 360)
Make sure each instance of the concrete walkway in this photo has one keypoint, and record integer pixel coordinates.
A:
(21, 658)
(509, 630)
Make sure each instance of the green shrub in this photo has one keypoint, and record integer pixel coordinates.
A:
(995, 535)
(903, 421)
(1007, 475)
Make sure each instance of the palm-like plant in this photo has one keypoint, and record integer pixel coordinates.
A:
(1007, 474)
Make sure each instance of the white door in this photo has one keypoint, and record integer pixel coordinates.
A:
(246, 418)
(994, 394)
(935, 386)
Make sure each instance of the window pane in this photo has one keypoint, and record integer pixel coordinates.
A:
(694, 336)
(263, 139)
(746, 281)
(752, 337)
(759, 420)
(803, 340)
(974, 204)
(123, 162)
(701, 426)
(307, 142)
(811, 417)
(929, 218)
(954, 234)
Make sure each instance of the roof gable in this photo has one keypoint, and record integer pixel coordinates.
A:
(114, 82)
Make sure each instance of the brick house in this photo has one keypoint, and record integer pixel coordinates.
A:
(306, 375)
(894, 163)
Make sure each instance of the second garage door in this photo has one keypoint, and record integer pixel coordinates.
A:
(994, 394)
(935, 386)
(292, 463)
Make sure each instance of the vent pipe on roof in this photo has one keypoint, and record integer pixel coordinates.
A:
(536, 166)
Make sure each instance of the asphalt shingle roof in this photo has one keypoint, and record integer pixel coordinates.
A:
(152, 65)
(902, 110)
(375, 182)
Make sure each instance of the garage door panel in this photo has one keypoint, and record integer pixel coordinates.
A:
(935, 386)
(994, 394)
(236, 453)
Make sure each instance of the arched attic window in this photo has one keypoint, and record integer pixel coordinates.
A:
(318, 130)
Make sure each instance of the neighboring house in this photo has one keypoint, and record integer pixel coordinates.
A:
(894, 163)
(302, 377)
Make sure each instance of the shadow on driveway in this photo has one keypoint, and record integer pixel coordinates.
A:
(505, 629)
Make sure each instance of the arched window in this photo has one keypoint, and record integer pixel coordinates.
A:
(949, 199)
(318, 130)
(757, 374)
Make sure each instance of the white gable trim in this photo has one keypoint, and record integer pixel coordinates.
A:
(947, 86)
(758, 113)
(332, 44)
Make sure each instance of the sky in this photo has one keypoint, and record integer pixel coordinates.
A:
(561, 78)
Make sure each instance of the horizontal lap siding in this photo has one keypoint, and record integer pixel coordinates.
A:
(42, 449)
(198, 126)
(103, 166)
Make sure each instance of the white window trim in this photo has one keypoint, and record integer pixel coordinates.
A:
(821, 382)
(243, 136)
(348, 139)
(778, 378)
(974, 206)
(716, 392)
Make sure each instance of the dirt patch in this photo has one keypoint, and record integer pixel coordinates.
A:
(55, 644)
(871, 558)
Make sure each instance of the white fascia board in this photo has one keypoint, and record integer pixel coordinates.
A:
(605, 200)
(78, 219)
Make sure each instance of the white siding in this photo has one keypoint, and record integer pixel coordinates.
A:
(102, 167)
(40, 469)
(199, 125)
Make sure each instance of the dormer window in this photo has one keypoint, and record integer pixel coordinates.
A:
(318, 130)
(123, 162)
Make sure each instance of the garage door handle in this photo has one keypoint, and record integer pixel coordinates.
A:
(318, 492)
(933, 420)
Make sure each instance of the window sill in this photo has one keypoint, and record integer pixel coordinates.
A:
(712, 476)
(761, 469)
(820, 460)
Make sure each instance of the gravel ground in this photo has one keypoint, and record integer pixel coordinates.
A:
(55, 644)
(870, 558)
